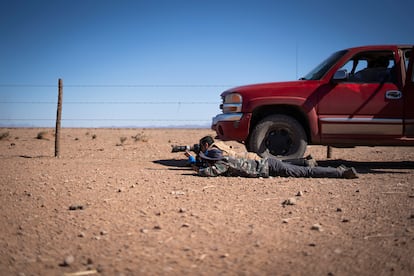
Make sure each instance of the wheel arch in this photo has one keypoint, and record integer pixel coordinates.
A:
(290, 110)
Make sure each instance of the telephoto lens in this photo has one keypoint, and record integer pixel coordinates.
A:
(180, 148)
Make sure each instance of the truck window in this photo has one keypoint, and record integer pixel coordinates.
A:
(319, 71)
(371, 67)
(359, 66)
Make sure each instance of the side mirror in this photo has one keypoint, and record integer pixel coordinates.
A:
(340, 75)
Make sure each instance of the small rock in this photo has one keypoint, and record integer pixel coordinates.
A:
(300, 193)
(345, 220)
(182, 210)
(289, 201)
(103, 232)
(185, 225)
(338, 209)
(68, 260)
(76, 207)
(316, 227)
(89, 261)
(225, 255)
(143, 230)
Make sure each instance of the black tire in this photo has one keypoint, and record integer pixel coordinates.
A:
(278, 136)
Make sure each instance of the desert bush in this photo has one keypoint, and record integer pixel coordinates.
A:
(140, 137)
(44, 135)
(122, 140)
(4, 135)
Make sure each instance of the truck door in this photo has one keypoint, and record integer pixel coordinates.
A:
(368, 104)
(408, 93)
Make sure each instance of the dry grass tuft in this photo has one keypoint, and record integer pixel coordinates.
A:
(122, 140)
(4, 135)
(44, 135)
(140, 137)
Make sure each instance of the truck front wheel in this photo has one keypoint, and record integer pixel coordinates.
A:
(278, 136)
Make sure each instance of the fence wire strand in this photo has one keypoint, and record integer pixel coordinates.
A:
(105, 102)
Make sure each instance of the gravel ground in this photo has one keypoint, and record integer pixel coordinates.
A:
(118, 202)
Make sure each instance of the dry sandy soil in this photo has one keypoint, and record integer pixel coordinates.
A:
(131, 207)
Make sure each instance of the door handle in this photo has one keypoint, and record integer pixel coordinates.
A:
(393, 95)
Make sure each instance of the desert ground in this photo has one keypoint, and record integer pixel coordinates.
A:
(119, 202)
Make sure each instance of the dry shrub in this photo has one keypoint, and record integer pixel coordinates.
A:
(140, 137)
(122, 139)
(4, 135)
(44, 135)
(93, 136)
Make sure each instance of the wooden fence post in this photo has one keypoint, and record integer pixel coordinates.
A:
(58, 118)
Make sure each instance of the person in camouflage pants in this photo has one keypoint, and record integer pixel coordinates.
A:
(208, 143)
(216, 164)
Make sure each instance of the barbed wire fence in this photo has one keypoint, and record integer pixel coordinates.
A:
(113, 103)
(194, 119)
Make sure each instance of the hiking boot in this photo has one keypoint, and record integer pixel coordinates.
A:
(310, 161)
(349, 173)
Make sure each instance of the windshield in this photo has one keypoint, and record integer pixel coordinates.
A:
(319, 71)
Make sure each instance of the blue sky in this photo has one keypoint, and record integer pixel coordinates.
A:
(165, 63)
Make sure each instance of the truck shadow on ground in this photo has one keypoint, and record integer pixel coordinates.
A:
(375, 167)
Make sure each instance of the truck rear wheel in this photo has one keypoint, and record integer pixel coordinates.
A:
(278, 136)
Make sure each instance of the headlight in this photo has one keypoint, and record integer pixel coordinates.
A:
(233, 98)
(232, 103)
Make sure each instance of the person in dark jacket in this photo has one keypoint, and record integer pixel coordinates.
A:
(208, 143)
(216, 164)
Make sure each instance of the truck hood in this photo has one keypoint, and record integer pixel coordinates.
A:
(289, 87)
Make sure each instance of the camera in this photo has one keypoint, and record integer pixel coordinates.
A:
(194, 148)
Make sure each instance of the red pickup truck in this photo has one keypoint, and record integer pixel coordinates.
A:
(362, 96)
